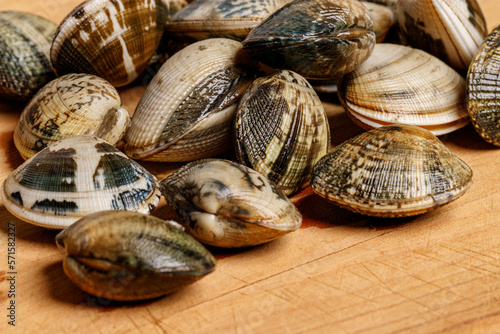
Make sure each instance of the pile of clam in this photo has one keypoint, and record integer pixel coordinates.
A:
(237, 78)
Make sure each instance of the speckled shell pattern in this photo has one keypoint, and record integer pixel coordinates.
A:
(483, 89)
(383, 19)
(315, 38)
(392, 171)
(225, 204)
(113, 39)
(451, 30)
(25, 41)
(124, 256)
(187, 110)
(399, 84)
(75, 177)
(71, 105)
(281, 129)
(233, 19)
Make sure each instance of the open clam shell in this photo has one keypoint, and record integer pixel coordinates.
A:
(399, 84)
(392, 171)
(75, 177)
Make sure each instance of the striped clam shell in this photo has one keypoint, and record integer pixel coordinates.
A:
(24, 58)
(71, 105)
(75, 177)
(111, 39)
(187, 110)
(398, 84)
(226, 204)
(483, 89)
(451, 30)
(281, 129)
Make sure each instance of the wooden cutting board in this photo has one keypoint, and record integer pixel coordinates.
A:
(340, 273)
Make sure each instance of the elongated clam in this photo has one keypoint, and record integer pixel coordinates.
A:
(124, 255)
(72, 105)
(74, 177)
(187, 110)
(451, 30)
(111, 39)
(281, 129)
(398, 84)
(392, 171)
(317, 39)
(24, 58)
(226, 204)
(483, 89)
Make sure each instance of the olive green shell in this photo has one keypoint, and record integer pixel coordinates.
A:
(24, 54)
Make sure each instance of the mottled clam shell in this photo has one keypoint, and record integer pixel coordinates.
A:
(125, 256)
(187, 110)
(72, 105)
(392, 171)
(451, 30)
(315, 38)
(483, 89)
(74, 177)
(24, 58)
(233, 19)
(383, 19)
(111, 39)
(281, 129)
(226, 204)
(399, 84)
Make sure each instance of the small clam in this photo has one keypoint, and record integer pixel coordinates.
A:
(392, 171)
(72, 105)
(317, 39)
(483, 89)
(281, 129)
(74, 177)
(124, 255)
(398, 84)
(226, 204)
(24, 58)
(383, 19)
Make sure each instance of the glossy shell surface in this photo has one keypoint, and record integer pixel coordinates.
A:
(75, 177)
(393, 171)
(226, 204)
(124, 255)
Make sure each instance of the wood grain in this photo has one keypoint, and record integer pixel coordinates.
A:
(340, 273)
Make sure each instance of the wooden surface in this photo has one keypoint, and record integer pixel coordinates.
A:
(340, 273)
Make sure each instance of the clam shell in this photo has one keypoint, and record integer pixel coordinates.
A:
(111, 39)
(72, 105)
(75, 177)
(392, 171)
(226, 204)
(451, 30)
(398, 84)
(24, 58)
(317, 39)
(124, 255)
(187, 110)
(483, 89)
(281, 129)
(383, 19)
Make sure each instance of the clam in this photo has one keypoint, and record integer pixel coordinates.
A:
(111, 39)
(451, 30)
(383, 19)
(74, 177)
(281, 129)
(226, 204)
(483, 89)
(399, 84)
(125, 256)
(187, 110)
(24, 58)
(72, 105)
(317, 39)
(393, 171)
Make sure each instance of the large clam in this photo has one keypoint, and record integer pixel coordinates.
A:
(392, 171)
